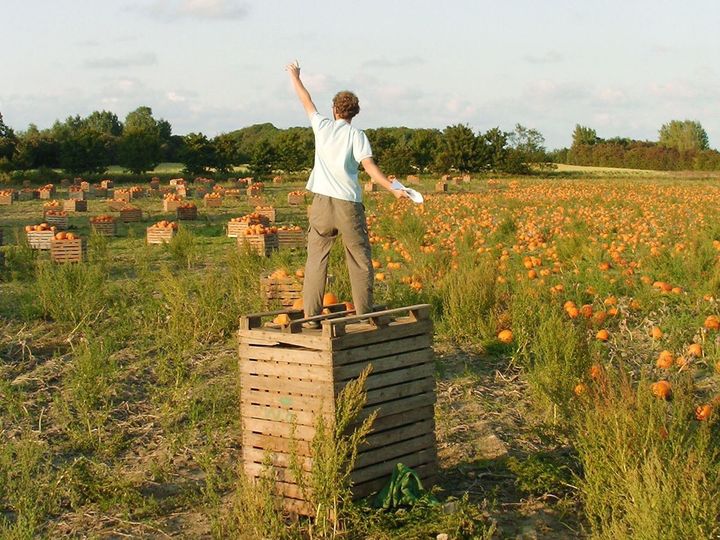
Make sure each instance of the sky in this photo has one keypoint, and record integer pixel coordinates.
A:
(623, 68)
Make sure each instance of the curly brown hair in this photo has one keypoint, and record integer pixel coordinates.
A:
(346, 105)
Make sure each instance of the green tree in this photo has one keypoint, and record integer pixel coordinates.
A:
(460, 150)
(398, 159)
(263, 158)
(36, 149)
(198, 153)
(528, 147)
(8, 142)
(295, 149)
(81, 147)
(584, 135)
(424, 144)
(684, 135)
(496, 141)
(140, 146)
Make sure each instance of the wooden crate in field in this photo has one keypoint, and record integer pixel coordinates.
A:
(256, 200)
(267, 211)
(107, 184)
(76, 194)
(7, 197)
(60, 221)
(371, 186)
(116, 206)
(104, 228)
(130, 214)
(441, 186)
(291, 238)
(171, 205)
(160, 235)
(74, 205)
(213, 202)
(27, 194)
(285, 290)
(122, 195)
(67, 251)
(187, 213)
(46, 193)
(296, 198)
(40, 239)
(290, 376)
(262, 244)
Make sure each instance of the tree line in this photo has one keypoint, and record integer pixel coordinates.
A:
(681, 145)
(91, 144)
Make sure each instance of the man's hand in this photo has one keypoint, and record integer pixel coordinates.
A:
(399, 193)
(293, 69)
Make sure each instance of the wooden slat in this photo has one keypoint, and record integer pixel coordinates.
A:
(397, 330)
(392, 436)
(299, 357)
(285, 384)
(392, 451)
(278, 459)
(249, 411)
(392, 378)
(274, 444)
(401, 390)
(320, 374)
(383, 470)
(419, 408)
(279, 429)
(347, 362)
(286, 401)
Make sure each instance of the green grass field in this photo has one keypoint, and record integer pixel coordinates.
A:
(119, 398)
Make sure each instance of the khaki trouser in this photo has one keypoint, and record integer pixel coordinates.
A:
(328, 217)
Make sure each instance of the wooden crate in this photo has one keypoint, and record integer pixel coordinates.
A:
(6, 199)
(441, 186)
(156, 235)
(27, 195)
(201, 191)
(269, 212)
(213, 202)
(285, 290)
(154, 184)
(98, 192)
(67, 251)
(78, 195)
(262, 244)
(122, 195)
(290, 376)
(187, 214)
(74, 205)
(170, 205)
(116, 206)
(40, 239)
(256, 200)
(46, 194)
(60, 222)
(296, 199)
(107, 184)
(85, 186)
(130, 215)
(412, 179)
(183, 190)
(370, 186)
(253, 190)
(104, 228)
(291, 239)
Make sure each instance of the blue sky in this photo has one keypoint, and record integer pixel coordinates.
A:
(621, 67)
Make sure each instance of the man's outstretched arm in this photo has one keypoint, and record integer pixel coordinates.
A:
(300, 90)
(377, 176)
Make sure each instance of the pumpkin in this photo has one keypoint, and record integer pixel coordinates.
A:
(580, 389)
(602, 335)
(505, 336)
(695, 350)
(329, 299)
(712, 322)
(656, 333)
(297, 303)
(665, 360)
(662, 390)
(703, 412)
(282, 319)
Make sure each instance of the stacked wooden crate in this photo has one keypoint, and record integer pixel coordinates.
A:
(75, 205)
(263, 243)
(290, 376)
(67, 251)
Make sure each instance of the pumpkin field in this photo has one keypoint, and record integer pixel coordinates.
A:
(577, 357)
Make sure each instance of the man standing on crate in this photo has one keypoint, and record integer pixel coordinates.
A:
(337, 201)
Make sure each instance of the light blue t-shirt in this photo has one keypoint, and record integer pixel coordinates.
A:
(339, 149)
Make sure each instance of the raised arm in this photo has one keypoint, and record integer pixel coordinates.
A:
(377, 176)
(300, 90)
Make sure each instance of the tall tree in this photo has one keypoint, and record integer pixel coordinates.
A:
(140, 146)
(295, 149)
(684, 135)
(423, 145)
(460, 150)
(198, 153)
(496, 141)
(8, 142)
(584, 135)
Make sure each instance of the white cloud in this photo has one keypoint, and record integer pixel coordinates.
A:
(121, 62)
(393, 63)
(175, 97)
(548, 57)
(212, 10)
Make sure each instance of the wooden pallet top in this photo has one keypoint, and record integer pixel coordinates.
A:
(340, 329)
